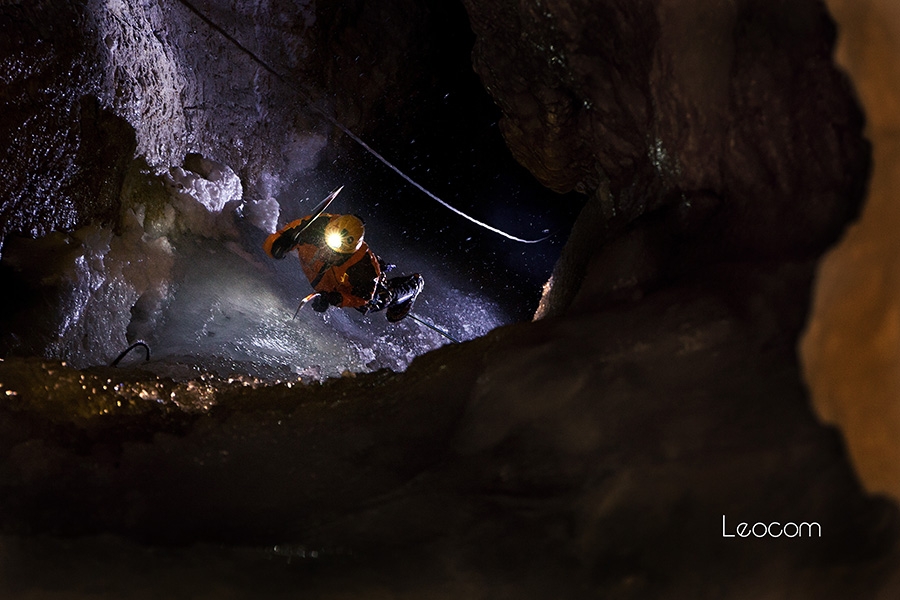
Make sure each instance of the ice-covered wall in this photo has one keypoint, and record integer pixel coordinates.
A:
(219, 142)
(108, 104)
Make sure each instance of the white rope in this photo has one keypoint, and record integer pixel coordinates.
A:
(350, 134)
(396, 170)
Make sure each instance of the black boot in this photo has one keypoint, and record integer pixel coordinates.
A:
(404, 291)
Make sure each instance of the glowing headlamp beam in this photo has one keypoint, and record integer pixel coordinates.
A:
(334, 240)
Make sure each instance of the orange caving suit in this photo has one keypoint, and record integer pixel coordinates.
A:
(346, 280)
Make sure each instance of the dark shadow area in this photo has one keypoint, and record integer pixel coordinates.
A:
(611, 450)
(446, 137)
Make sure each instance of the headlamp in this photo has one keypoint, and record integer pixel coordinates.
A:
(334, 240)
(344, 234)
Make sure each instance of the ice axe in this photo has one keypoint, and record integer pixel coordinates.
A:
(318, 210)
(432, 327)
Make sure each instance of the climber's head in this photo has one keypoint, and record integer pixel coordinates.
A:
(344, 234)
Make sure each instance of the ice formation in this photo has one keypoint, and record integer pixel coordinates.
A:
(185, 272)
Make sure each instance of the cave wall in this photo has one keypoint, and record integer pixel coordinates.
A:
(185, 87)
(64, 152)
(94, 83)
(730, 118)
(91, 85)
(852, 345)
(109, 108)
(590, 454)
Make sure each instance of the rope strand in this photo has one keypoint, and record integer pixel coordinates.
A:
(308, 100)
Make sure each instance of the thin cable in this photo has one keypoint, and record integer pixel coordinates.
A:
(372, 151)
(231, 39)
(137, 344)
(349, 133)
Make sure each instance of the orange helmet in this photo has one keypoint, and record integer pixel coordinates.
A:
(344, 234)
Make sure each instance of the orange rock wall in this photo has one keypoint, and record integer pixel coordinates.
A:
(851, 350)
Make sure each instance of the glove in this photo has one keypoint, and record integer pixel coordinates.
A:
(325, 299)
(283, 244)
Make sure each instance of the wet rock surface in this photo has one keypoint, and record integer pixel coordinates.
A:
(591, 454)
(610, 449)
(58, 141)
(90, 85)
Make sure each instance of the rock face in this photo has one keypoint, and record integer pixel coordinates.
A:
(609, 450)
(185, 87)
(590, 455)
(730, 117)
(58, 141)
(851, 346)
(89, 85)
